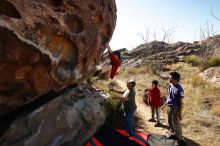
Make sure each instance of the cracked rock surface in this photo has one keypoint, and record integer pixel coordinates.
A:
(46, 45)
(69, 120)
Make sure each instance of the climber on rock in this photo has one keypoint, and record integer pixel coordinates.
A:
(115, 63)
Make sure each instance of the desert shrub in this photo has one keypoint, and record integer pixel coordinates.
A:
(114, 95)
(137, 70)
(115, 119)
(113, 104)
(203, 63)
(208, 62)
(214, 61)
(153, 66)
(193, 59)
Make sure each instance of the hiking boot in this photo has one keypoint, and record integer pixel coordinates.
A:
(180, 143)
(171, 136)
(152, 120)
(158, 124)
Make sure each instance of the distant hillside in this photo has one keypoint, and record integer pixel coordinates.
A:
(170, 53)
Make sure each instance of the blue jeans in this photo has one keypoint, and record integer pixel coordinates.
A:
(129, 122)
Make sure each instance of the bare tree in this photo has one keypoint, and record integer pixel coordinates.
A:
(206, 33)
(212, 13)
(155, 35)
(207, 30)
(145, 36)
(168, 34)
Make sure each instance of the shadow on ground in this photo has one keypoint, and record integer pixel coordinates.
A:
(191, 142)
(160, 140)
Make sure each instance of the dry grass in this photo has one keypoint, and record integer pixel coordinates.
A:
(101, 85)
(104, 86)
(216, 110)
(150, 67)
(135, 70)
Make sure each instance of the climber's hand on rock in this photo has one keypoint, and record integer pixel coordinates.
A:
(107, 46)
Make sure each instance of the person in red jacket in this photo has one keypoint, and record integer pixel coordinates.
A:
(115, 61)
(154, 100)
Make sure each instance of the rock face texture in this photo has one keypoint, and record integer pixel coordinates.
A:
(212, 75)
(170, 53)
(46, 45)
(159, 51)
(70, 119)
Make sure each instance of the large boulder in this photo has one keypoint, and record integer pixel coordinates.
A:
(46, 45)
(70, 119)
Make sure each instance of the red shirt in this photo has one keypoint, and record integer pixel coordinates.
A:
(116, 63)
(154, 98)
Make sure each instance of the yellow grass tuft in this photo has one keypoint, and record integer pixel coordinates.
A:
(137, 70)
(193, 59)
(101, 85)
(216, 110)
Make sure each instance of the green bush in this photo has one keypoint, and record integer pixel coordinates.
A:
(214, 61)
(115, 118)
(112, 101)
(113, 104)
(203, 63)
(193, 59)
(208, 62)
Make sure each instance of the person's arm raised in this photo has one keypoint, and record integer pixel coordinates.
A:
(109, 49)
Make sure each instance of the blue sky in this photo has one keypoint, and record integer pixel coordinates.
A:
(133, 16)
